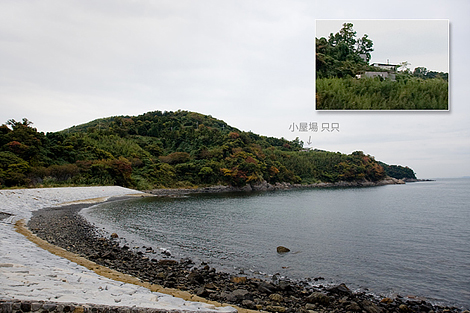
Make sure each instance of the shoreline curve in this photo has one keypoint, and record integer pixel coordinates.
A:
(310, 299)
(33, 279)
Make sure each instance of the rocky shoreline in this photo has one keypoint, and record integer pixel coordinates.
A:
(66, 228)
(265, 186)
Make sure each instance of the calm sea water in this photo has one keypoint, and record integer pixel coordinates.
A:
(411, 239)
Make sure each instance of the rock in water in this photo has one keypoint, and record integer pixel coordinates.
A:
(282, 249)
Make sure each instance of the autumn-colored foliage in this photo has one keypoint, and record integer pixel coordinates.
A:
(166, 149)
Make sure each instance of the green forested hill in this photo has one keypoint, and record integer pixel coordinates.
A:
(166, 149)
(398, 171)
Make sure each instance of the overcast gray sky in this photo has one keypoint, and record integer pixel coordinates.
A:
(250, 63)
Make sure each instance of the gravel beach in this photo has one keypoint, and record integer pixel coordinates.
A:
(31, 273)
(32, 278)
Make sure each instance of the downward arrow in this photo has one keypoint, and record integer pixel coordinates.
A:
(309, 142)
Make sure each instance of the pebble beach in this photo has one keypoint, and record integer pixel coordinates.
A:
(29, 274)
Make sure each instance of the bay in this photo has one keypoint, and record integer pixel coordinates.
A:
(412, 240)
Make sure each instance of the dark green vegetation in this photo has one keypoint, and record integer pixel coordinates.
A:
(406, 93)
(342, 58)
(166, 149)
(340, 54)
(398, 171)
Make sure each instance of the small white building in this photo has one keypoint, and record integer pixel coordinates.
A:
(384, 75)
(388, 71)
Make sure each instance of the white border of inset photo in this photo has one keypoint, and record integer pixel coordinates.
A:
(399, 45)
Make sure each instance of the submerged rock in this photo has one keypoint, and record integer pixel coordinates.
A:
(282, 249)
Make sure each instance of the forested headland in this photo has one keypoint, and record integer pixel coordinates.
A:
(170, 150)
(346, 81)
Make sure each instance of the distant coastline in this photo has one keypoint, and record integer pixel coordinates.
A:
(413, 180)
(264, 186)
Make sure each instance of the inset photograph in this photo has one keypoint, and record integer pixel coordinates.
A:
(382, 65)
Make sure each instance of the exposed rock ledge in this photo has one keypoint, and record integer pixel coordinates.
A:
(265, 186)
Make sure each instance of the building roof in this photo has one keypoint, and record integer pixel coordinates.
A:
(384, 64)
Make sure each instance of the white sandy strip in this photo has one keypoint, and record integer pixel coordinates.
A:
(28, 272)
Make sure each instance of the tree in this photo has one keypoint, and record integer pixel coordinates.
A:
(342, 55)
(14, 124)
(364, 46)
(24, 140)
(12, 169)
(424, 73)
(345, 35)
(404, 66)
(420, 72)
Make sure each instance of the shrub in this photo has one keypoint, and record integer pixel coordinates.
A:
(175, 158)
